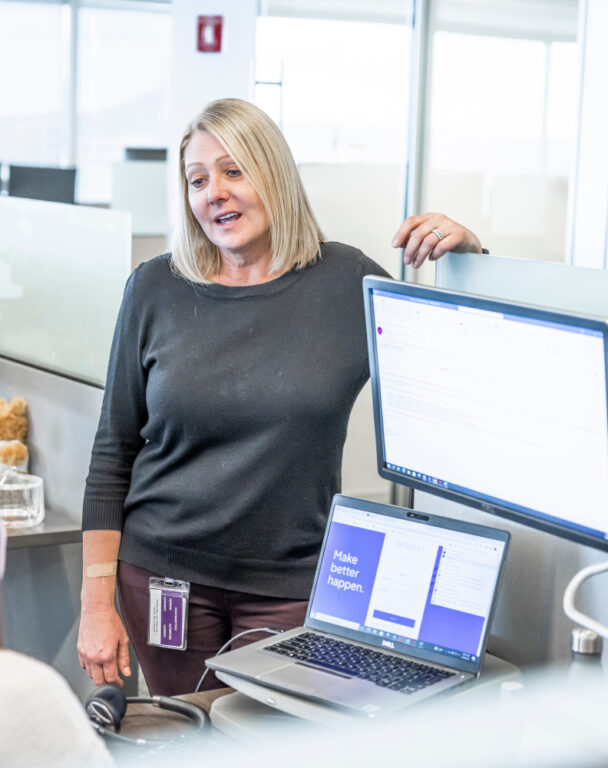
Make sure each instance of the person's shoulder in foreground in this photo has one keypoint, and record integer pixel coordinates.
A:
(43, 724)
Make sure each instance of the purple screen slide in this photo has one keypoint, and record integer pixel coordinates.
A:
(345, 584)
(446, 627)
(347, 572)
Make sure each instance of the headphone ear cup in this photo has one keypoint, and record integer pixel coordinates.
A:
(106, 706)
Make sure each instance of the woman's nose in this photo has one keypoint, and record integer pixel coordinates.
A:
(216, 189)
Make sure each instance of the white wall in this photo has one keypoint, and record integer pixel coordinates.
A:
(198, 78)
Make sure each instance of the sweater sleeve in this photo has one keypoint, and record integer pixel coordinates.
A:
(123, 414)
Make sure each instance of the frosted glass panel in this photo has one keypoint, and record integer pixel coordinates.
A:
(140, 188)
(62, 273)
(558, 286)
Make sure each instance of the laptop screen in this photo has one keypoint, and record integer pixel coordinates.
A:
(416, 583)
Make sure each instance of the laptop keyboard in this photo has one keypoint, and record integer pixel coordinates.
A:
(393, 672)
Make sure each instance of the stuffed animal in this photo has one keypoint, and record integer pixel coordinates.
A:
(13, 432)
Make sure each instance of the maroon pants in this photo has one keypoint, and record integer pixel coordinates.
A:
(214, 616)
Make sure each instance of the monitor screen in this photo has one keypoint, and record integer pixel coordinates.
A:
(497, 405)
(42, 183)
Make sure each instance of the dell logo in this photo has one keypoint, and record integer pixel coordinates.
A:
(388, 644)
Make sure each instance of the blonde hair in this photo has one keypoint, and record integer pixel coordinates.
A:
(260, 151)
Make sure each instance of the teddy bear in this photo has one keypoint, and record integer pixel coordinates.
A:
(13, 432)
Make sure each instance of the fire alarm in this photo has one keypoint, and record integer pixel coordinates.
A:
(209, 34)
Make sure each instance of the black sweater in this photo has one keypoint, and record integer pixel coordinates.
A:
(220, 439)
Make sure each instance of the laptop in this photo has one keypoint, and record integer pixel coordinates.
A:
(400, 610)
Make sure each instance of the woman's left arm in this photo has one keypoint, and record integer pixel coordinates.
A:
(430, 235)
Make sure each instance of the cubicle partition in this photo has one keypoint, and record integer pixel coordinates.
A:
(530, 626)
(62, 274)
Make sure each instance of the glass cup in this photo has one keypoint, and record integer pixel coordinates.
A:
(21, 498)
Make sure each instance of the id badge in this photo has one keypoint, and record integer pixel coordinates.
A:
(168, 618)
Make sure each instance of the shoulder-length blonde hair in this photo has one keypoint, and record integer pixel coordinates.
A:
(259, 149)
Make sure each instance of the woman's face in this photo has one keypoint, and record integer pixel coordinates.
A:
(223, 201)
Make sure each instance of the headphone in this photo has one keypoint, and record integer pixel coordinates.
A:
(107, 704)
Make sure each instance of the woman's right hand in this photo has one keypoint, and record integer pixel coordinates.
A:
(103, 645)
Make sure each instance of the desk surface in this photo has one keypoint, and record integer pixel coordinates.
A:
(252, 705)
(148, 721)
(56, 528)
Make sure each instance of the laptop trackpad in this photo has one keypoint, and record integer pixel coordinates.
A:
(302, 678)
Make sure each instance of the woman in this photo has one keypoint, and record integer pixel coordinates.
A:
(235, 364)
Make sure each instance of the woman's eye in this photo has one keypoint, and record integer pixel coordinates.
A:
(233, 173)
(197, 183)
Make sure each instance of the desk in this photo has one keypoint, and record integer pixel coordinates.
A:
(147, 721)
(56, 528)
(247, 711)
(548, 722)
(154, 725)
(243, 718)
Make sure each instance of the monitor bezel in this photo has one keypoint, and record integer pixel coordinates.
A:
(370, 284)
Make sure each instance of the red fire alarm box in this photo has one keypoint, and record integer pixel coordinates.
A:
(209, 34)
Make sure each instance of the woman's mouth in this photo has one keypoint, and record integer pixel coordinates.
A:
(227, 218)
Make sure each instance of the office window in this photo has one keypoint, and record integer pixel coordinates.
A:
(339, 89)
(34, 83)
(80, 82)
(562, 103)
(124, 62)
(501, 123)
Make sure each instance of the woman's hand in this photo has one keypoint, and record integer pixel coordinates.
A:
(103, 645)
(430, 235)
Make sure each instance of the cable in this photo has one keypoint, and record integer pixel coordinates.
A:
(570, 593)
(229, 643)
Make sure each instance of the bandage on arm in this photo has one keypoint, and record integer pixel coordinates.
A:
(99, 557)
(99, 570)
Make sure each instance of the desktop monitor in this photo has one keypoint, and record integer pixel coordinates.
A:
(42, 183)
(497, 405)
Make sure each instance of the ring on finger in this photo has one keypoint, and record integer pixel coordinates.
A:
(438, 233)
